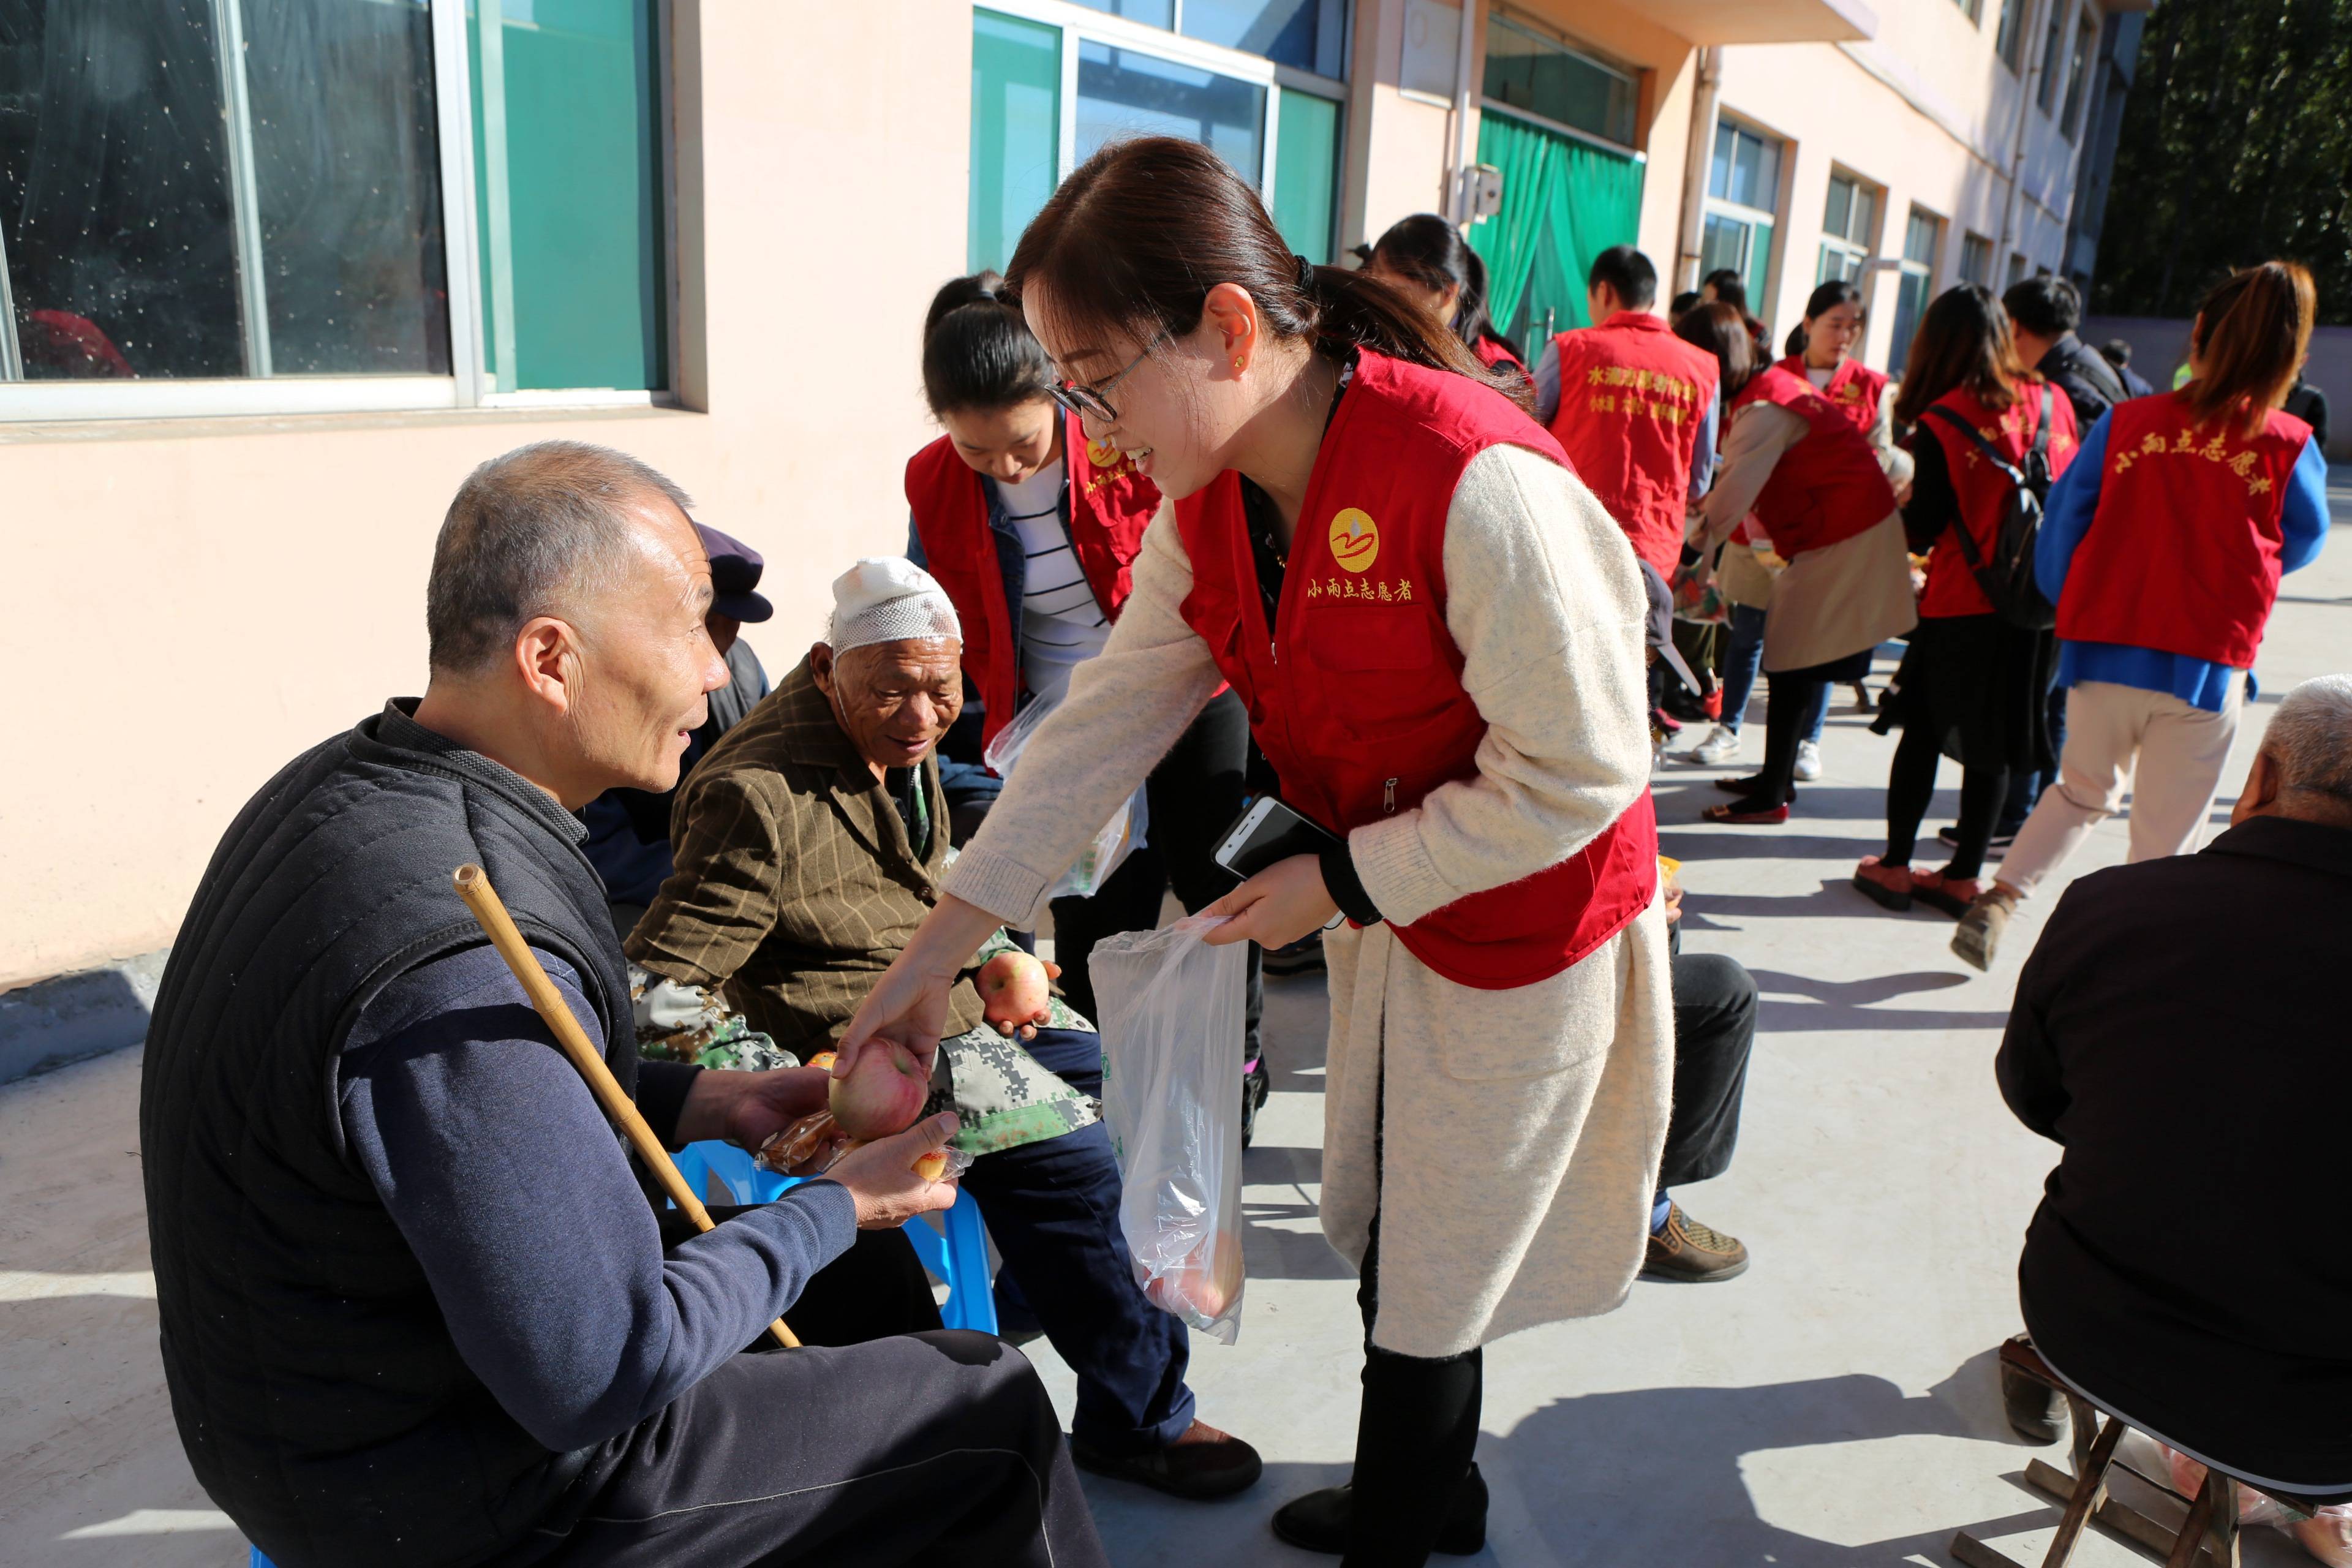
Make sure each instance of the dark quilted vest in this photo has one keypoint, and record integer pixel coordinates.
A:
(319, 1396)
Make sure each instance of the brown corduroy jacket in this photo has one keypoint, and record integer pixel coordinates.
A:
(796, 885)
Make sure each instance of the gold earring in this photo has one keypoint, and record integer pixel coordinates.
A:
(1237, 365)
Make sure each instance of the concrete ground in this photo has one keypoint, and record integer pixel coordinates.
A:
(1835, 1405)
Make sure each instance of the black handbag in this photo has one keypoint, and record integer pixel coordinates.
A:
(2007, 579)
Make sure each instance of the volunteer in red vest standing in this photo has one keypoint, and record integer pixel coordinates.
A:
(1973, 682)
(2162, 550)
(1033, 534)
(1633, 405)
(1426, 257)
(1439, 636)
(1822, 352)
(1820, 495)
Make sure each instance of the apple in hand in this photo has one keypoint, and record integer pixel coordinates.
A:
(1013, 991)
(883, 1094)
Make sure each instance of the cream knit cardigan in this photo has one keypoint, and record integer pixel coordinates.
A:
(1519, 1131)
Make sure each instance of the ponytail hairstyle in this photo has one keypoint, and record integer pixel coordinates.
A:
(1140, 233)
(1471, 322)
(1964, 341)
(978, 352)
(1433, 253)
(1721, 330)
(1795, 348)
(2253, 332)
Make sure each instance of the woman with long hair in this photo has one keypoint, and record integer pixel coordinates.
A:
(2162, 550)
(1973, 682)
(1427, 257)
(1438, 635)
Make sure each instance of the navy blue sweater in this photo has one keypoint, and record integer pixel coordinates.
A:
(515, 1195)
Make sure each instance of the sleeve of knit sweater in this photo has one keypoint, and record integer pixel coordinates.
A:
(513, 1192)
(1127, 706)
(1546, 603)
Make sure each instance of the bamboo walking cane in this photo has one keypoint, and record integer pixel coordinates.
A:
(473, 886)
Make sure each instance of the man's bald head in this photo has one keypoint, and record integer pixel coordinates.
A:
(538, 531)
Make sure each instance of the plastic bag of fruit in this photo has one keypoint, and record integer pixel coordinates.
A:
(1122, 835)
(1172, 1032)
(2326, 1534)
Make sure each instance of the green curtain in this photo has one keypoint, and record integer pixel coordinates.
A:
(1564, 203)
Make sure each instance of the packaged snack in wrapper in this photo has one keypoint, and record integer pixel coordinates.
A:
(810, 1146)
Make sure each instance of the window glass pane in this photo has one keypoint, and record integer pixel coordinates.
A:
(1919, 240)
(1531, 72)
(1718, 173)
(566, 129)
(1840, 207)
(1303, 33)
(1866, 214)
(1723, 244)
(1910, 304)
(2054, 38)
(2012, 27)
(1016, 121)
(1307, 173)
(1123, 92)
(1747, 172)
(2078, 74)
(115, 205)
(1150, 13)
(1976, 258)
(346, 162)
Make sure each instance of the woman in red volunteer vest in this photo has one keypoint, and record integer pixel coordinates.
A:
(1973, 683)
(1822, 504)
(2162, 550)
(1427, 259)
(1822, 348)
(1439, 636)
(1032, 532)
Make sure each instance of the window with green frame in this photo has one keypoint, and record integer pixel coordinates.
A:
(1307, 173)
(568, 193)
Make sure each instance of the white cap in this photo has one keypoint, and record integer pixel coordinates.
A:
(887, 598)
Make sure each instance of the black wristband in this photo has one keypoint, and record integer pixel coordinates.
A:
(1346, 889)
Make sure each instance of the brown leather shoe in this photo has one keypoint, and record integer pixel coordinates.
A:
(1690, 1253)
(1201, 1464)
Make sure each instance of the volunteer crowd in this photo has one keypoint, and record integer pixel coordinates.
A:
(443, 1323)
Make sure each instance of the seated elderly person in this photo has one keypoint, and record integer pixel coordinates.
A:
(2180, 1030)
(415, 1307)
(810, 845)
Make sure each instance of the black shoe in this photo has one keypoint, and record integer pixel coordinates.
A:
(1301, 957)
(1255, 1080)
(1997, 845)
(1202, 1464)
(1319, 1521)
(2036, 1411)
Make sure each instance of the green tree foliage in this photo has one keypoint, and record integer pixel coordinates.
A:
(2236, 147)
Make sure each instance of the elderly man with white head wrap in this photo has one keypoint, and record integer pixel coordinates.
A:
(810, 845)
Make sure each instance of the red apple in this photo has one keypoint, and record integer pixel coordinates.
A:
(1204, 1283)
(1013, 989)
(883, 1094)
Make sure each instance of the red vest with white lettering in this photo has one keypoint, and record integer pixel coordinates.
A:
(1110, 504)
(1854, 389)
(1631, 395)
(2182, 553)
(1363, 712)
(1827, 487)
(1982, 492)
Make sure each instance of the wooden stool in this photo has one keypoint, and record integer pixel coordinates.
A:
(2207, 1538)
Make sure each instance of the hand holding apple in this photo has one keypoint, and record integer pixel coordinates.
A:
(1015, 993)
(883, 1093)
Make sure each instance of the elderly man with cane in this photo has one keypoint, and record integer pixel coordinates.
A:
(416, 1308)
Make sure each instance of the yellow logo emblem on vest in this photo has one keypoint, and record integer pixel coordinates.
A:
(1102, 454)
(1355, 540)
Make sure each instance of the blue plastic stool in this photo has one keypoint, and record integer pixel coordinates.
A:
(959, 1258)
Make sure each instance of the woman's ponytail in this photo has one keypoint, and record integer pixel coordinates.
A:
(2253, 332)
(1140, 233)
(977, 351)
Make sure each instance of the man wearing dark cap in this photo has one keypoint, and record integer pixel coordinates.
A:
(628, 830)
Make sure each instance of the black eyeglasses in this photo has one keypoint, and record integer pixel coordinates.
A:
(1087, 402)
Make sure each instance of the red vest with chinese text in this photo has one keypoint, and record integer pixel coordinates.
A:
(1110, 504)
(1854, 389)
(2182, 553)
(1362, 712)
(1983, 493)
(1827, 487)
(1631, 398)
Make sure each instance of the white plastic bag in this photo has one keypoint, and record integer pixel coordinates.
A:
(1171, 1042)
(1122, 835)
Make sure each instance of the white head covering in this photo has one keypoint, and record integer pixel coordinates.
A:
(887, 598)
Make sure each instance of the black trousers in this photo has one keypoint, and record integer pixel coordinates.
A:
(1415, 1438)
(871, 1446)
(1195, 793)
(1714, 1030)
(1911, 787)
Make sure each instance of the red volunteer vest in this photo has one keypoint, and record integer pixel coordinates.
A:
(1363, 714)
(1827, 487)
(1854, 389)
(1492, 353)
(2182, 553)
(1983, 493)
(1111, 503)
(1631, 398)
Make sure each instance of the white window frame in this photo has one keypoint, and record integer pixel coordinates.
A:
(1722, 206)
(1083, 24)
(1856, 251)
(465, 387)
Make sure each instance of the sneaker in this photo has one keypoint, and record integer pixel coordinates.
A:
(1319, 1521)
(1720, 748)
(1201, 1464)
(1979, 938)
(1808, 760)
(1689, 1253)
(1999, 843)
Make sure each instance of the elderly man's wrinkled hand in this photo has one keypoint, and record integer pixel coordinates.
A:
(881, 1176)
